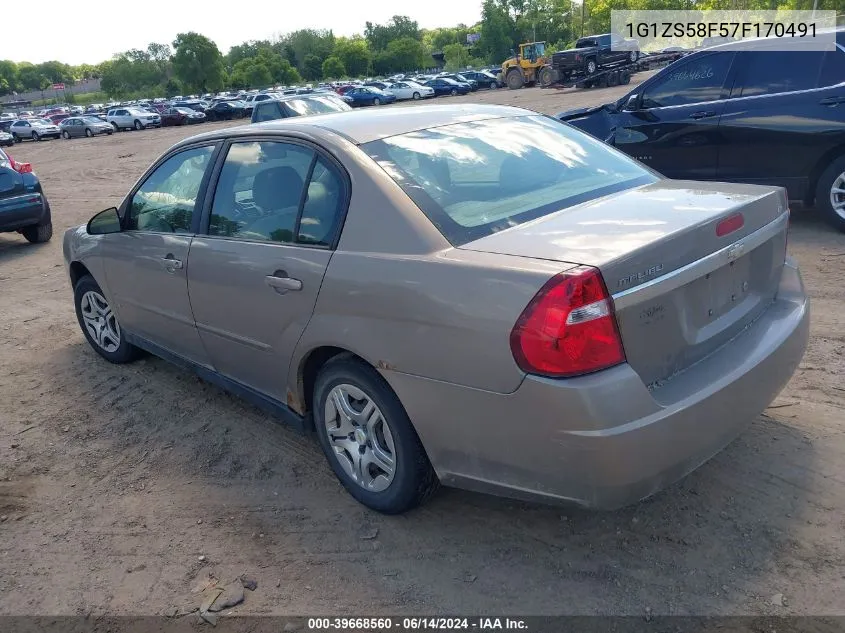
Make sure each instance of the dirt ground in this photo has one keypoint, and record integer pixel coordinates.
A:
(114, 481)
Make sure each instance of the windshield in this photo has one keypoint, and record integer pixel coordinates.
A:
(184, 110)
(474, 179)
(92, 119)
(45, 122)
(136, 111)
(316, 105)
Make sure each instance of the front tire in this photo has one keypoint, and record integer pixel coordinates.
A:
(376, 101)
(369, 440)
(416, 96)
(634, 56)
(830, 193)
(65, 134)
(36, 137)
(515, 79)
(138, 125)
(88, 132)
(38, 234)
(115, 126)
(591, 67)
(99, 323)
(453, 92)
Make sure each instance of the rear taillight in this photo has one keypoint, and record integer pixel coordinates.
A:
(730, 224)
(21, 168)
(569, 328)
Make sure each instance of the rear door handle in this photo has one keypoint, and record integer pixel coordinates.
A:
(832, 101)
(170, 263)
(702, 115)
(281, 283)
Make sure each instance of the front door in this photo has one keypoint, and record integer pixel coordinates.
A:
(146, 263)
(254, 278)
(675, 126)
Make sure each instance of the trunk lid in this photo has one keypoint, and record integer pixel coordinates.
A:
(680, 290)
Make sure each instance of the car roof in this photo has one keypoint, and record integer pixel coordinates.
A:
(777, 42)
(364, 126)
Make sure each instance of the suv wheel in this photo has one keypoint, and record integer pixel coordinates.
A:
(591, 66)
(99, 323)
(38, 233)
(138, 125)
(35, 136)
(830, 193)
(634, 56)
(368, 439)
(115, 126)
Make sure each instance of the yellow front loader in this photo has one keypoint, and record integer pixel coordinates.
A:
(523, 69)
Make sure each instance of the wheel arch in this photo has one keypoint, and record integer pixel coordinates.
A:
(818, 169)
(77, 271)
(308, 368)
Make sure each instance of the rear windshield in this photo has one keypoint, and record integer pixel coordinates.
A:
(316, 105)
(474, 179)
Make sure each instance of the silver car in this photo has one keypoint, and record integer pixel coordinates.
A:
(132, 118)
(474, 295)
(89, 126)
(35, 129)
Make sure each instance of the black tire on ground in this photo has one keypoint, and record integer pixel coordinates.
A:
(613, 79)
(545, 77)
(601, 82)
(376, 101)
(16, 138)
(515, 79)
(125, 352)
(88, 132)
(38, 234)
(624, 78)
(114, 125)
(825, 195)
(65, 134)
(138, 125)
(634, 56)
(35, 136)
(416, 96)
(587, 84)
(590, 67)
(414, 479)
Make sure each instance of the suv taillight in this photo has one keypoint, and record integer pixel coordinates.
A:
(569, 328)
(21, 168)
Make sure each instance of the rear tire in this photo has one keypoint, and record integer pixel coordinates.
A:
(624, 78)
(830, 193)
(38, 234)
(413, 479)
(613, 79)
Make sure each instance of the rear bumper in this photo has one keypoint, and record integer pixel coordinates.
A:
(604, 440)
(22, 211)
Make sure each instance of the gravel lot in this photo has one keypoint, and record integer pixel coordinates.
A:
(114, 481)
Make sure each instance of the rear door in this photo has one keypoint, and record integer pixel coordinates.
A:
(254, 276)
(675, 126)
(146, 263)
(786, 112)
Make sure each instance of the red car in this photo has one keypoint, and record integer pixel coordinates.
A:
(57, 118)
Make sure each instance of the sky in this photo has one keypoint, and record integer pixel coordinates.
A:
(84, 41)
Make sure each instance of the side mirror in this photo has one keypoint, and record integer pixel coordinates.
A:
(104, 222)
(633, 103)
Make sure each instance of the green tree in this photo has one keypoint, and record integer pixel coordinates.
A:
(457, 57)
(8, 76)
(30, 77)
(333, 68)
(354, 54)
(312, 67)
(379, 36)
(300, 44)
(197, 62)
(496, 39)
(250, 73)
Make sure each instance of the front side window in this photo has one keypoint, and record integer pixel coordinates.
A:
(699, 80)
(474, 179)
(771, 72)
(276, 192)
(165, 203)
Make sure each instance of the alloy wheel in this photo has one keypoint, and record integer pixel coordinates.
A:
(100, 321)
(837, 195)
(360, 437)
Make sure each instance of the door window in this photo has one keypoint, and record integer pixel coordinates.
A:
(833, 69)
(262, 195)
(165, 203)
(771, 72)
(699, 80)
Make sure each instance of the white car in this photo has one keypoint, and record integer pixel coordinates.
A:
(129, 118)
(7, 116)
(410, 90)
(35, 129)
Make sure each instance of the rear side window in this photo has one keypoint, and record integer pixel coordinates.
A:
(268, 111)
(772, 72)
(698, 80)
(474, 179)
(833, 69)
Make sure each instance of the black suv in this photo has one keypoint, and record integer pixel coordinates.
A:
(739, 112)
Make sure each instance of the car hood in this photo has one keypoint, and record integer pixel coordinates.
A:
(599, 121)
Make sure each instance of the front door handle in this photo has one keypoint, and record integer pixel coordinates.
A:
(281, 283)
(702, 115)
(832, 101)
(170, 263)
